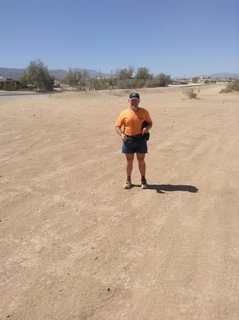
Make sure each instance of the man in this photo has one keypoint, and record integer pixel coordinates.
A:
(134, 136)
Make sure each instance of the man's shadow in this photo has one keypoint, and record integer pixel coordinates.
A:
(162, 188)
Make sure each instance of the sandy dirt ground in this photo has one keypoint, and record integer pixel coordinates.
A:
(76, 246)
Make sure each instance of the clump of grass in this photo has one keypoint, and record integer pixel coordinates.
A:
(191, 93)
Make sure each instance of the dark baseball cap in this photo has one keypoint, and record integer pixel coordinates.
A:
(134, 96)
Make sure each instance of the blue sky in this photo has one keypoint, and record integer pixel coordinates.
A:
(177, 37)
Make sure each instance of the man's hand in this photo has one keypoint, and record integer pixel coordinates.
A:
(121, 133)
(145, 130)
(123, 136)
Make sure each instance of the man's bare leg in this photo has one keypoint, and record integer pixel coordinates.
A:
(142, 169)
(129, 164)
(129, 168)
(141, 163)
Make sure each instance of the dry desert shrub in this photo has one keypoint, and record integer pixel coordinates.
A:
(225, 90)
(232, 86)
(191, 93)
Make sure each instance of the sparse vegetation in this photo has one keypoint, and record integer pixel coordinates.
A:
(226, 90)
(77, 79)
(99, 84)
(191, 93)
(195, 80)
(123, 79)
(37, 77)
(232, 86)
(210, 81)
(142, 78)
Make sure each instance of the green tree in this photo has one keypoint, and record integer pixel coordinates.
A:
(24, 79)
(77, 79)
(84, 78)
(38, 76)
(125, 74)
(99, 84)
(163, 80)
(142, 77)
(124, 78)
(73, 77)
(143, 74)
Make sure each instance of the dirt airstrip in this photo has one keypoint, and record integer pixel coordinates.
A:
(76, 246)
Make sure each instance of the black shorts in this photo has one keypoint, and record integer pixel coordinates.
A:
(131, 146)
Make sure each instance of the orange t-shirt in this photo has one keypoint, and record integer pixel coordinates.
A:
(132, 121)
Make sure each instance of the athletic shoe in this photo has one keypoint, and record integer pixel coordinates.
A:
(127, 184)
(144, 184)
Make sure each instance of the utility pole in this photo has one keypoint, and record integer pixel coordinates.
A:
(111, 80)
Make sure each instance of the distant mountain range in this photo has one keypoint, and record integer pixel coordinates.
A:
(60, 74)
(223, 75)
(57, 73)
